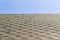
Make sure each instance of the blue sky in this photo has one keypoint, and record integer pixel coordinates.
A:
(29, 6)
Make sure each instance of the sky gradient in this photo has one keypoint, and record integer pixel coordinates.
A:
(29, 6)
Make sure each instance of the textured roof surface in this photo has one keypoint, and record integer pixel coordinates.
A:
(30, 27)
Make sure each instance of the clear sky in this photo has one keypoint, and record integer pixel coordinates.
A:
(29, 6)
